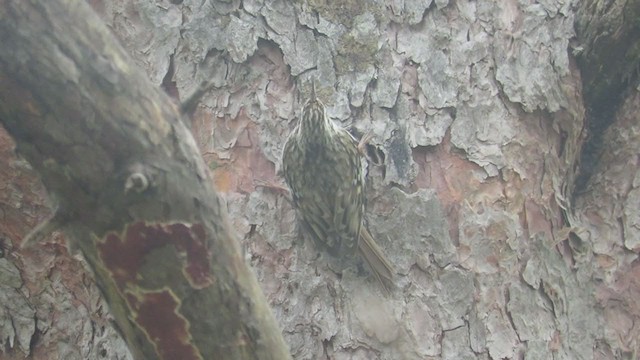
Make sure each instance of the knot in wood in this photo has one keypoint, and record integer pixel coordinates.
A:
(137, 182)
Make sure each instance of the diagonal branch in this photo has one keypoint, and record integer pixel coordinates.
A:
(131, 187)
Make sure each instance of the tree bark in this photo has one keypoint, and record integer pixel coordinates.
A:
(509, 240)
(129, 187)
(606, 202)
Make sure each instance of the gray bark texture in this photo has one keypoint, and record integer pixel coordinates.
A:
(505, 189)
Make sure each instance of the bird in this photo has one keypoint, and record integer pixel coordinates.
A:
(322, 167)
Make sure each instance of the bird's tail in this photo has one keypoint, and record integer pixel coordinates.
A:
(373, 255)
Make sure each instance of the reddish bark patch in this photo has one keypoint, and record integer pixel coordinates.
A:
(236, 169)
(158, 315)
(123, 254)
(197, 271)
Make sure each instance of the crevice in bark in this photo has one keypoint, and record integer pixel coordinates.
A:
(609, 56)
(168, 82)
(598, 121)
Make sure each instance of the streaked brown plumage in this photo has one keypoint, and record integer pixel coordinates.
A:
(322, 167)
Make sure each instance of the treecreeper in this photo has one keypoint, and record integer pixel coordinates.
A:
(322, 167)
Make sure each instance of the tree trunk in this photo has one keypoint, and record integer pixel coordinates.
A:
(501, 181)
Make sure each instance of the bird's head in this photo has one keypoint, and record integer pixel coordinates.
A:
(314, 119)
(313, 108)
